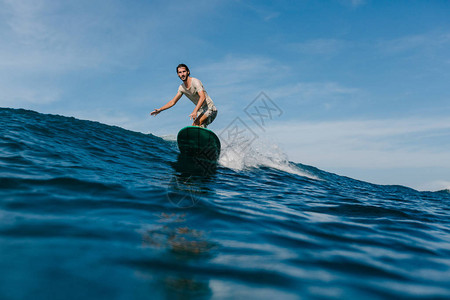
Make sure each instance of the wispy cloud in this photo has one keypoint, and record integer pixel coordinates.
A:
(357, 2)
(429, 41)
(264, 12)
(59, 37)
(14, 93)
(368, 144)
(47, 46)
(243, 73)
(314, 91)
(319, 46)
(353, 3)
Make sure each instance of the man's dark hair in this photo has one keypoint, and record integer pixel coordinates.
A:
(183, 66)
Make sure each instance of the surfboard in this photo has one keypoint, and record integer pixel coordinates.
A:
(198, 142)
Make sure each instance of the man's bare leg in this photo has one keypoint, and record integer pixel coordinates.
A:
(200, 121)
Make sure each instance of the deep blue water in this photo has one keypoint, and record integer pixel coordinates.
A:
(90, 211)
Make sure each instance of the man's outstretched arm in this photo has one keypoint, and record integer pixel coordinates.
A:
(167, 105)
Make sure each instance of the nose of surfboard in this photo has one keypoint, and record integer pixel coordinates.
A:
(198, 142)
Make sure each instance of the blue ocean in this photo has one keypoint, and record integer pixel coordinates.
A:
(91, 211)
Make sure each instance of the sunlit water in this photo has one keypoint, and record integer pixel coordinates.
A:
(90, 211)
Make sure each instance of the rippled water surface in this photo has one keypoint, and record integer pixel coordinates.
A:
(89, 211)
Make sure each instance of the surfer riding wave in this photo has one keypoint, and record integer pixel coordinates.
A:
(205, 111)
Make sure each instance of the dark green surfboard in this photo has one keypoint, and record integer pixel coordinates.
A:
(198, 142)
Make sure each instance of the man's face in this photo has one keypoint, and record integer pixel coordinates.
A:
(183, 73)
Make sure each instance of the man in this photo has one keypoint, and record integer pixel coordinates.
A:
(205, 111)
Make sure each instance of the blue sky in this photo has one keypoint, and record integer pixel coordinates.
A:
(363, 86)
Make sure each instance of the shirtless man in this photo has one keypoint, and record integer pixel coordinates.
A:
(205, 111)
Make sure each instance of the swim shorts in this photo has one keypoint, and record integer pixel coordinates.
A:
(211, 115)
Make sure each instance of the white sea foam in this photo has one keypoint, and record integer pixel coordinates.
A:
(257, 153)
(169, 138)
